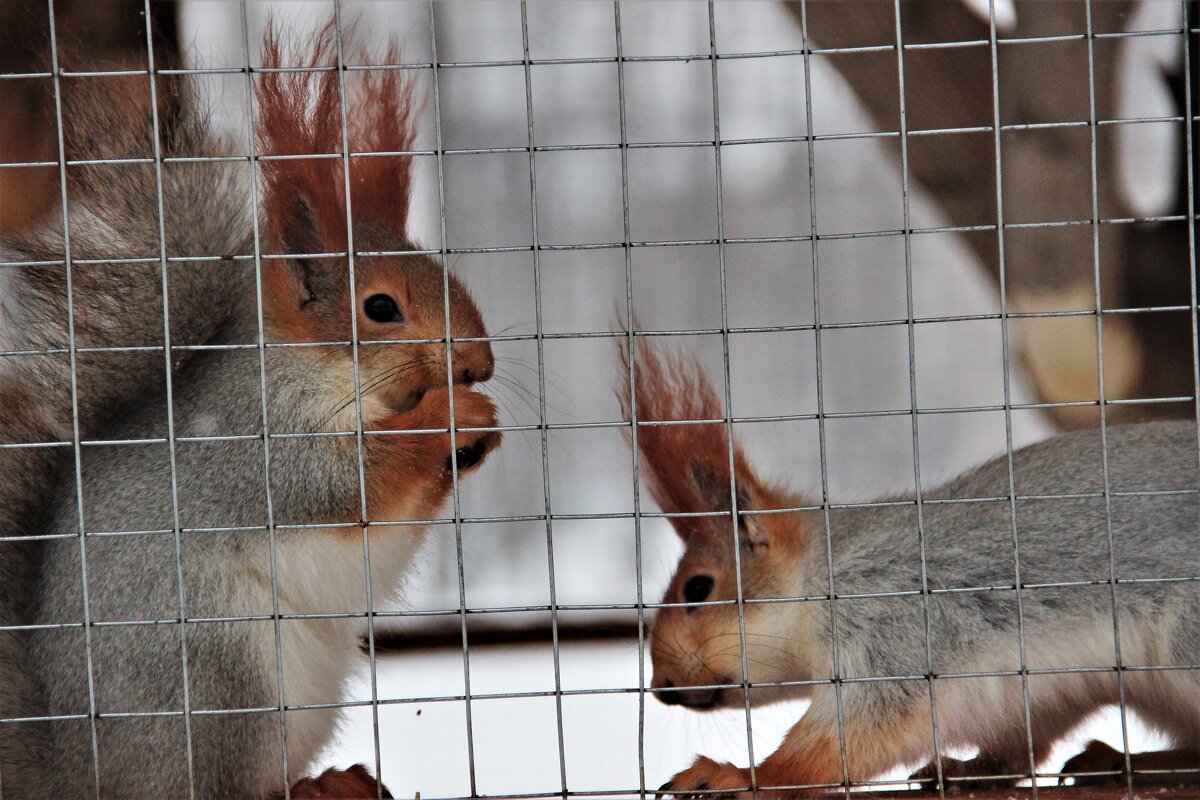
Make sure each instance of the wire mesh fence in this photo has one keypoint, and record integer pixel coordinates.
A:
(700, 272)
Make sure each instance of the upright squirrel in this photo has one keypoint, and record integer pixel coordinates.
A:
(261, 545)
(862, 726)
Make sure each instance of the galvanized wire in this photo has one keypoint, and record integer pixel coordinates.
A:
(634, 421)
(542, 417)
(940, 783)
(822, 415)
(77, 454)
(1112, 550)
(271, 530)
(1007, 378)
(548, 517)
(458, 521)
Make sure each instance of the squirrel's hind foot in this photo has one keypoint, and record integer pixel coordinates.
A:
(1177, 767)
(971, 775)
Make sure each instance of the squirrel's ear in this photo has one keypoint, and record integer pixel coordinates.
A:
(296, 229)
(712, 483)
(687, 466)
(304, 204)
(385, 113)
(308, 277)
(299, 113)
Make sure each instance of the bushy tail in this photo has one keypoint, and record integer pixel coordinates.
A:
(116, 243)
(112, 238)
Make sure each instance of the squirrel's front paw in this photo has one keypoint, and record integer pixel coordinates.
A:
(472, 410)
(706, 778)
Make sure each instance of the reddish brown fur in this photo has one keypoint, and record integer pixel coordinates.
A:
(381, 186)
(308, 298)
(674, 388)
(332, 784)
(811, 755)
(300, 113)
(818, 760)
(379, 118)
(815, 763)
(419, 462)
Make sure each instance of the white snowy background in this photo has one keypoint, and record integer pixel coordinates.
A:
(423, 746)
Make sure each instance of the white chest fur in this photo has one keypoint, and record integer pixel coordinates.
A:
(321, 584)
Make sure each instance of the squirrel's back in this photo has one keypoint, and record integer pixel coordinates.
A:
(1067, 539)
(115, 244)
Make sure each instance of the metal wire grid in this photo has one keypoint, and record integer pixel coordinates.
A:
(900, 48)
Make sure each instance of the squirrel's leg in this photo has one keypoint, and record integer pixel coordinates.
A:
(975, 774)
(811, 752)
(1006, 754)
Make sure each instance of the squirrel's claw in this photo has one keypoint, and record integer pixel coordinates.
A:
(665, 791)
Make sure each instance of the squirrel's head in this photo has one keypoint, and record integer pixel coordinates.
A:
(400, 300)
(687, 468)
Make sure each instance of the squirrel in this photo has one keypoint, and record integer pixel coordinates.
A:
(232, 531)
(116, 278)
(858, 728)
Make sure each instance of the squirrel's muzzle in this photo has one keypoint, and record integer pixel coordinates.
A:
(682, 696)
(473, 362)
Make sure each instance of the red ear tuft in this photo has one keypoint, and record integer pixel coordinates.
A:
(300, 113)
(687, 465)
(381, 186)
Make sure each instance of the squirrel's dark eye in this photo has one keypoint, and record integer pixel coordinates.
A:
(382, 308)
(697, 588)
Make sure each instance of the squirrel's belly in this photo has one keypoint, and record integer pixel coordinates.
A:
(322, 572)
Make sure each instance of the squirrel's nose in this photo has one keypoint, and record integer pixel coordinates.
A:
(478, 364)
(477, 374)
(669, 698)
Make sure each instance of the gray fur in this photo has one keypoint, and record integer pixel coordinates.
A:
(140, 506)
(139, 669)
(113, 213)
(132, 572)
(1061, 540)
